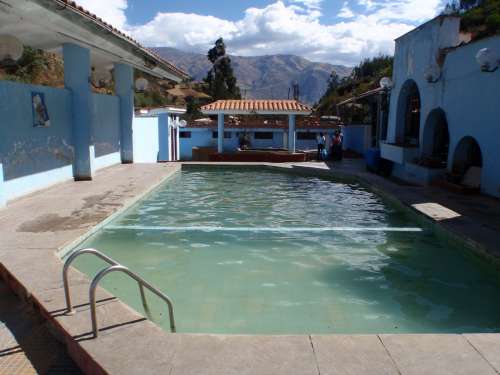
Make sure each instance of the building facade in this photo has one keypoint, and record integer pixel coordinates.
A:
(49, 135)
(444, 114)
(156, 134)
(262, 137)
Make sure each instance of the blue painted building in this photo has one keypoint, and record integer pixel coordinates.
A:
(48, 135)
(444, 114)
(156, 134)
(260, 137)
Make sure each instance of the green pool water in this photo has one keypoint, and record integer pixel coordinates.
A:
(259, 252)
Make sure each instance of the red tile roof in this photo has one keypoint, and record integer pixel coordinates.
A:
(100, 22)
(257, 106)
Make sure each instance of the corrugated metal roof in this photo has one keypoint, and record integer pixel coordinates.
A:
(257, 106)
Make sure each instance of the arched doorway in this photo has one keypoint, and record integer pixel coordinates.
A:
(468, 161)
(409, 105)
(436, 139)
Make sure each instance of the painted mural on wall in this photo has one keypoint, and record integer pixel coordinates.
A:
(40, 112)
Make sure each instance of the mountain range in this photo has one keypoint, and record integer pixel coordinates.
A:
(264, 77)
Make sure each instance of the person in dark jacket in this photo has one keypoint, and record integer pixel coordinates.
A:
(337, 146)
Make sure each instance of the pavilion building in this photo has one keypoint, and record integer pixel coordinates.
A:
(48, 135)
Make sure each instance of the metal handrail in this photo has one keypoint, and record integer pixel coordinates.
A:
(115, 266)
(67, 263)
(142, 283)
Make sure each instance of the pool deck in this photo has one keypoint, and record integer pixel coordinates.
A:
(35, 228)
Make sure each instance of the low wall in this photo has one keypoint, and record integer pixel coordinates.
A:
(203, 138)
(34, 157)
(357, 137)
(106, 130)
(259, 156)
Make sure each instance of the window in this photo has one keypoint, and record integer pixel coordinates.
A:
(263, 135)
(184, 134)
(306, 136)
(227, 135)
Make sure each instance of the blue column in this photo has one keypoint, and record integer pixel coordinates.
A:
(291, 134)
(124, 89)
(220, 130)
(2, 193)
(77, 80)
(163, 134)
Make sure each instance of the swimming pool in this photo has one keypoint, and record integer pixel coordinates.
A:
(253, 251)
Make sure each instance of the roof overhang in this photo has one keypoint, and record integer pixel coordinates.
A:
(362, 96)
(274, 113)
(256, 107)
(154, 112)
(48, 24)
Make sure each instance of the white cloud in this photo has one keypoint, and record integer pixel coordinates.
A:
(309, 4)
(111, 11)
(293, 27)
(345, 11)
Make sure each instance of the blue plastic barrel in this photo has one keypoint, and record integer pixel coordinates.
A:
(372, 159)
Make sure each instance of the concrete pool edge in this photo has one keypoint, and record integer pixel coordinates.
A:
(62, 253)
(130, 344)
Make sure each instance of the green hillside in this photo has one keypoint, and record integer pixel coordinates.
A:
(364, 77)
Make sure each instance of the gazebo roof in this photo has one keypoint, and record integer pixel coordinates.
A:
(259, 107)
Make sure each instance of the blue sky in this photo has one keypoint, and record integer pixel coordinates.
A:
(334, 31)
(140, 11)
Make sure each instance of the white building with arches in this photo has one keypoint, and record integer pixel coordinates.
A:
(444, 117)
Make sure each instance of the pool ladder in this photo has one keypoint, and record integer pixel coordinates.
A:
(114, 267)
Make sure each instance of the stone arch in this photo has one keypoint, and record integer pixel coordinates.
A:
(436, 137)
(408, 114)
(467, 155)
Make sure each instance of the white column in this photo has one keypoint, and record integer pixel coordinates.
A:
(220, 130)
(178, 148)
(291, 134)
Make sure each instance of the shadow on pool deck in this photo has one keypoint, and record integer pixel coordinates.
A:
(26, 344)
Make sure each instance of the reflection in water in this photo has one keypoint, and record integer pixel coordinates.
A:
(375, 270)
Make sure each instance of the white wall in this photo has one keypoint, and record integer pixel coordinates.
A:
(146, 141)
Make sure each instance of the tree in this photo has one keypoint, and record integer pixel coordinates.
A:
(333, 82)
(481, 18)
(365, 76)
(220, 80)
(468, 4)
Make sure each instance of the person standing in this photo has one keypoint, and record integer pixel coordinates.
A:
(321, 140)
(337, 146)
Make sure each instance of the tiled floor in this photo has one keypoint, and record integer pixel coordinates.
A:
(26, 345)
